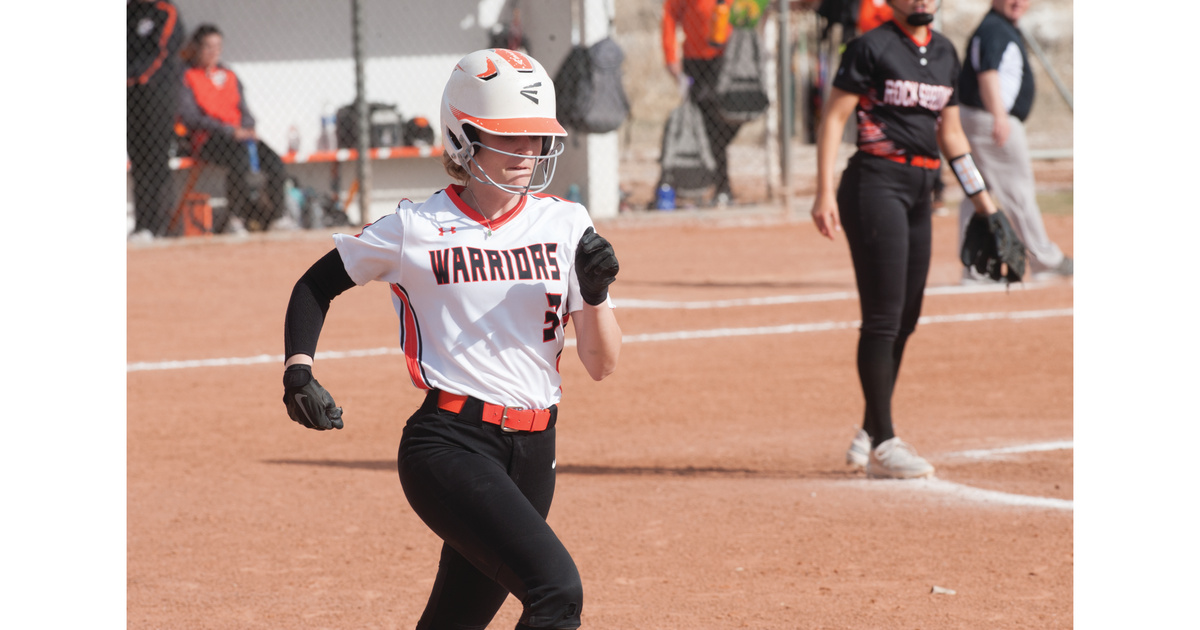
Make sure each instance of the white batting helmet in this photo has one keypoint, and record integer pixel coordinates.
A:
(503, 92)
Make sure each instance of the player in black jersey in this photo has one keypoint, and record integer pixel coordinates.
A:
(900, 79)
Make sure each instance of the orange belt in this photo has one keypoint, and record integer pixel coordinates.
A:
(915, 160)
(509, 418)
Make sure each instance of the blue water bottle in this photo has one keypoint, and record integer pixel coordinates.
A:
(252, 149)
(665, 199)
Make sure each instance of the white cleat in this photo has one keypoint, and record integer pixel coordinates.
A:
(896, 459)
(859, 451)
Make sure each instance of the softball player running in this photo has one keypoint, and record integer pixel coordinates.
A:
(484, 276)
(900, 79)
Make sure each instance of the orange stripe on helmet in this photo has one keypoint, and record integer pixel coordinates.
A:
(490, 72)
(514, 126)
(514, 59)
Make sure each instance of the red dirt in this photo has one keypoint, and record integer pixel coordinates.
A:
(702, 486)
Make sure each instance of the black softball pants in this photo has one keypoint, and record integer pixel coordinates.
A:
(149, 130)
(223, 150)
(486, 493)
(885, 209)
(720, 132)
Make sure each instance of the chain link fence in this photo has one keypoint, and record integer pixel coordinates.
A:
(294, 61)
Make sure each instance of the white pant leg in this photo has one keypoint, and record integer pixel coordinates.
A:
(1009, 176)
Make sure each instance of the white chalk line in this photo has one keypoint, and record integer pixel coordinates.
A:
(979, 495)
(823, 326)
(786, 329)
(817, 297)
(1006, 450)
(969, 493)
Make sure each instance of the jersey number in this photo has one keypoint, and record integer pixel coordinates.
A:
(550, 333)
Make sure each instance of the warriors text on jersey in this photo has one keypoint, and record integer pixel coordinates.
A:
(903, 85)
(482, 304)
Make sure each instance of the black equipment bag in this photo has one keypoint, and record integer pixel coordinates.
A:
(740, 94)
(686, 160)
(385, 121)
(591, 97)
(417, 132)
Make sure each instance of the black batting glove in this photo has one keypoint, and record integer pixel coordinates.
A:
(595, 266)
(307, 402)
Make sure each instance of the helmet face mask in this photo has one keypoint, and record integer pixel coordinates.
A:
(544, 165)
(503, 92)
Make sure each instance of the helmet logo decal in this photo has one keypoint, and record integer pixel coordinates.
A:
(515, 59)
(490, 73)
(530, 93)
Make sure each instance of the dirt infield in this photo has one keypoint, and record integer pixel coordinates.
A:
(702, 486)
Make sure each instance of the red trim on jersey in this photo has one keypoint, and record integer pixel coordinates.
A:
(905, 27)
(545, 195)
(410, 340)
(360, 233)
(454, 191)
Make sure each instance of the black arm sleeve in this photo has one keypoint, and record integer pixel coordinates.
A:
(324, 280)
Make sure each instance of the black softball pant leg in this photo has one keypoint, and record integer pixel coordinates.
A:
(885, 210)
(486, 493)
(720, 132)
(149, 129)
(224, 151)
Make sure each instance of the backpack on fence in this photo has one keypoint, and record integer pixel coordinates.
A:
(740, 94)
(590, 95)
(687, 160)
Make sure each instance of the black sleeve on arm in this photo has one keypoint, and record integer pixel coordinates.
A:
(324, 280)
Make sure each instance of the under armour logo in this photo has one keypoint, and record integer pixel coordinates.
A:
(530, 93)
(442, 231)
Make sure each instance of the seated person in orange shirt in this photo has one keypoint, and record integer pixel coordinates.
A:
(214, 110)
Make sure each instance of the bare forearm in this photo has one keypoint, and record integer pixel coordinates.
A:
(598, 339)
(829, 137)
(989, 93)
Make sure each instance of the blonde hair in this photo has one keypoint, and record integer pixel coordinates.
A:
(456, 172)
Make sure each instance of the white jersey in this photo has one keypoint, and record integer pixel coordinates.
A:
(482, 305)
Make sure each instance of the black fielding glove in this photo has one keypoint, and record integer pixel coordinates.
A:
(979, 247)
(595, 266)
(307, 402)
(1009, 248)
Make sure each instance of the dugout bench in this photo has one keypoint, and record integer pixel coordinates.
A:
(192, 215)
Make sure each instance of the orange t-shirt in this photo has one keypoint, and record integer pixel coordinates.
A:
(216, 93)
(872, 13)
(695, 16)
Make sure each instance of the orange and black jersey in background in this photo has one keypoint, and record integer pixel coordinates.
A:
(904, 85)
(153, 38)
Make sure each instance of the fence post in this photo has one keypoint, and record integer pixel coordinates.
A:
(363, 170)
(785, 107)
